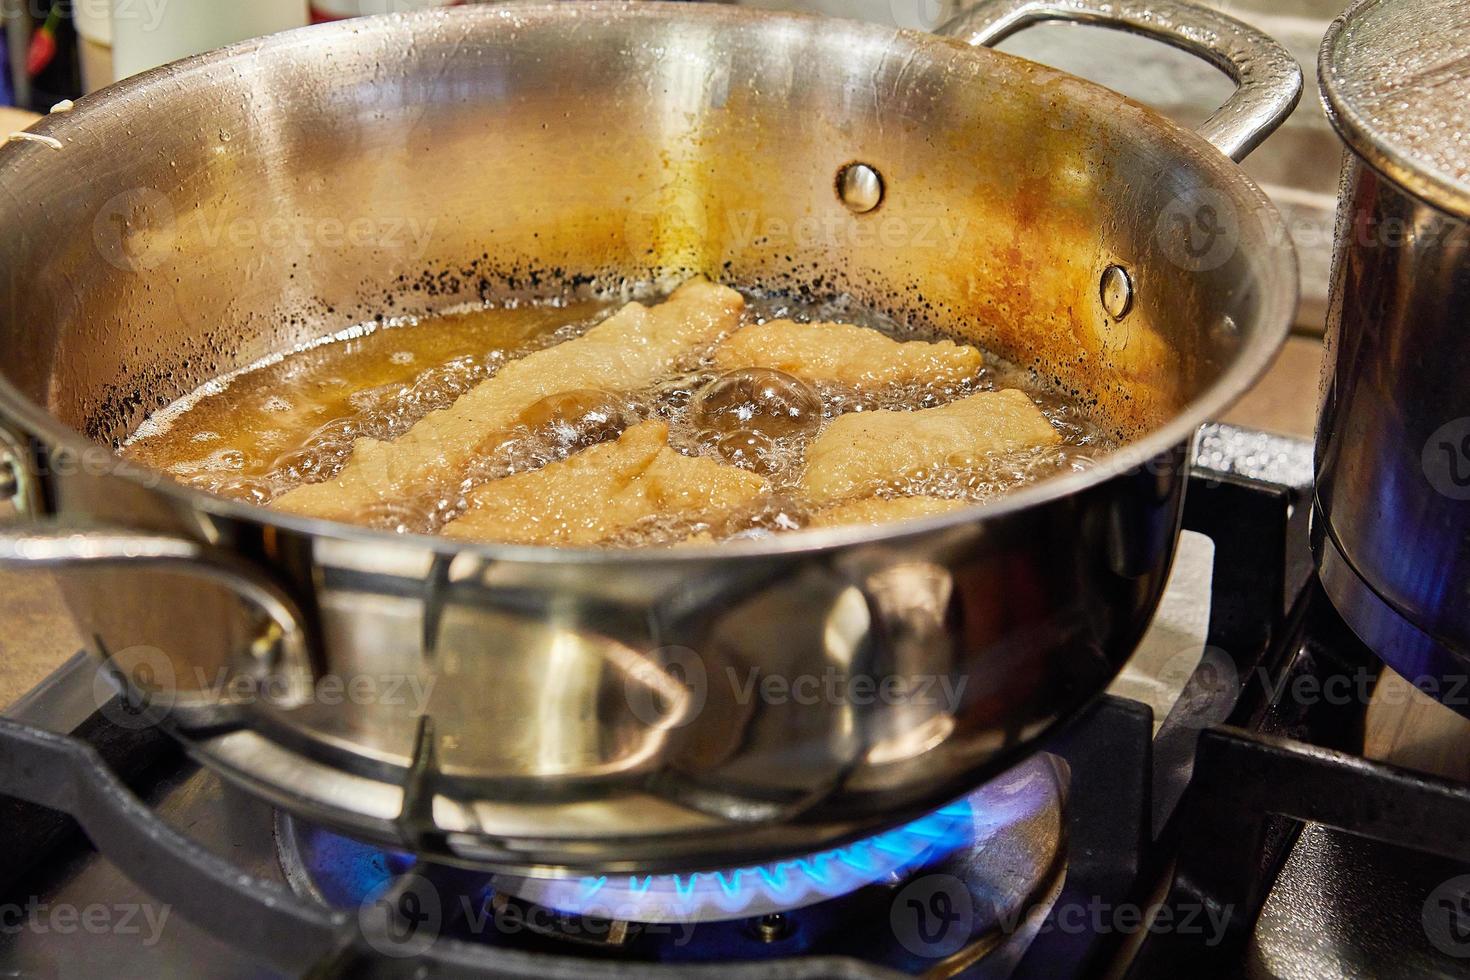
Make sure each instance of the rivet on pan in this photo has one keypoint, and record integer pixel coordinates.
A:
(1117, 291)
(860, 187)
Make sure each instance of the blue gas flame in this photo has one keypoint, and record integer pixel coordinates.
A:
(754, 890)
(349, 872)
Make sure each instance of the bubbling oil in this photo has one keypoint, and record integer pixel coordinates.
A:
(294, 418)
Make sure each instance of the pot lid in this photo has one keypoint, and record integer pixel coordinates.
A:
(1395, 76)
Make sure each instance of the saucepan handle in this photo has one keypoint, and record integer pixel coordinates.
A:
(1268, 79)
(280, 653)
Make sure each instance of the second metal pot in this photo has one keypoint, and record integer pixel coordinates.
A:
(1391, 526)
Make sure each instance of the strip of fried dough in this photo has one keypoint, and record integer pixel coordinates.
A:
(587, 498)
(884, 510)
(865, 451)
(850, 355)
(630, 350)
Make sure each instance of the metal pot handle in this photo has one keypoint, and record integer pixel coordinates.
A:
(1268, 80)
(281, 653)
(37, 544)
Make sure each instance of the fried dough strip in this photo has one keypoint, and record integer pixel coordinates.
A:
(841, 352)
(865, 451)
(630, 350)
(589, 497)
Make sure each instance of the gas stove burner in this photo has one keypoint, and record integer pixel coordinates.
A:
(742, 893)
(1002, 842)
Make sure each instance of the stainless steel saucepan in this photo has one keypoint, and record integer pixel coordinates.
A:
(1391, 513)
(556, 710)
